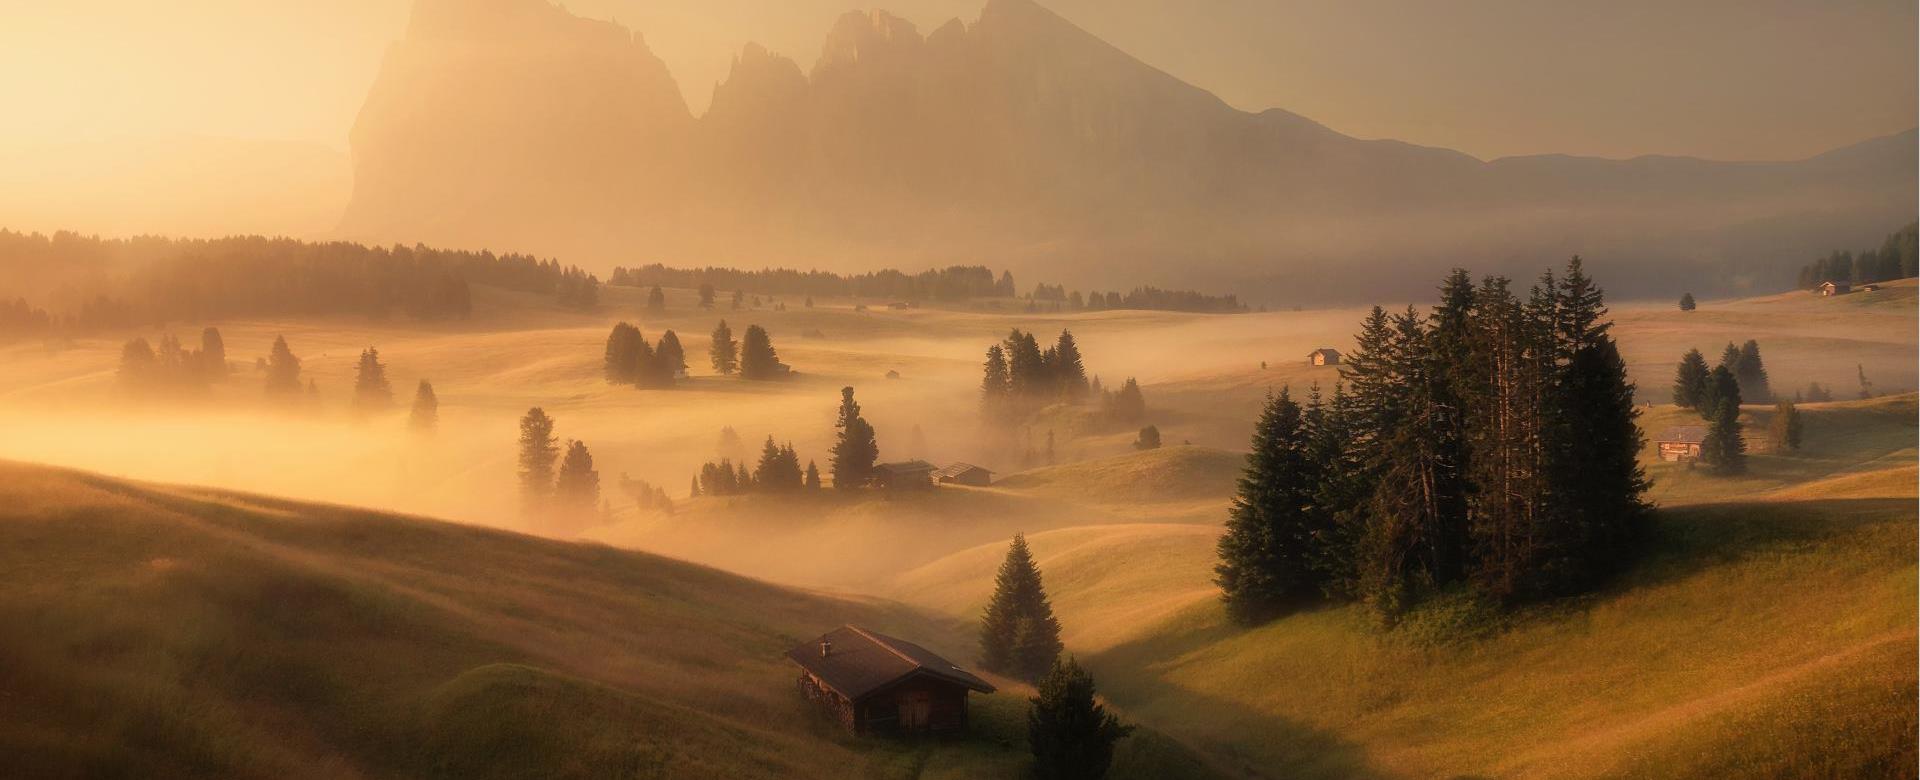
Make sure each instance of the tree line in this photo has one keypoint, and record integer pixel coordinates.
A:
(630, 360)
(1147, 298)
(1895, 259)
(777, 472)
(952, 283)
(172, 369)
(572, 489)
(1489, 445)
(85, 283)
(1019, 379)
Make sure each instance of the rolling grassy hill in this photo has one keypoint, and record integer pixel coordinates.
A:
(152, 631)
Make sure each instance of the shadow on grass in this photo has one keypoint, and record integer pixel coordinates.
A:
(1690, 539)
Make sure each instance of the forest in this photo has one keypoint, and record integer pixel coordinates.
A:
(1895, 259)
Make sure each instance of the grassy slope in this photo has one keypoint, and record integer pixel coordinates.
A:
(1711, 658)
(150, 631)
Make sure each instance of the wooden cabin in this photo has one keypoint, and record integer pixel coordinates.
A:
(963, 474)
(1830, 289)
(1681, 443)
(904, 475)
(871, 683)
(1325, 356)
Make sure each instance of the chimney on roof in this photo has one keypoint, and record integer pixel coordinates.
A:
(826, 648)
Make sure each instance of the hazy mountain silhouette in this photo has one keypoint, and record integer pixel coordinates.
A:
(1021, 140)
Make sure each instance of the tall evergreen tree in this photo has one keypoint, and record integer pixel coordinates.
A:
(656, 300)
(1725, 446)
(1071, 733)
(1268, 555)
(213, 353)
(371, 391)
(623, 354)
(1687, 303)
(1026, 368)
(855, 450)
(778, 470)
(671, 357)
(812, 481)
(1751, 373)
(1690, 381)
(1019, 636)
(537, 451)
(425, 416)
(138, 365)
(994, 386)
(1129, 404)
(1068, 370)
(757, 357)
(283, 369)
(724, 353)
(577, 487)
(1597, 482)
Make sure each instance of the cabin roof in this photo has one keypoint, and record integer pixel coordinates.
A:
(905, 467)
(1324, 351)
(956, 469)
(1683, 434)
(862, 662)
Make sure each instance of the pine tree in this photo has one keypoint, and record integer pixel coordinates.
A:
(213, 353)
(1751, 372)
(725, 352)
(1687, 302)
(656, 301)
(577, 487)
(1129, 405)
(537, 451)
(1724, 448)
(1267, 552)
(138, 366)
(693, 491)
(757, 357)
(1413, 538)
(994, 386)
(670, 356)
(1596, 480)
(283, 369)
(371, 391)
(813, 476)
(1068, 371)
(1070, 732)
(1026, 368)
(1785, 427)
(1019, 636)
(1690, 381)
(856, 450)
(426, 409)
(1866, 385)
(623, 354)
(706, 301)
(778, 470)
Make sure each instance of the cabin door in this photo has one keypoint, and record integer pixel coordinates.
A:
(916, 708)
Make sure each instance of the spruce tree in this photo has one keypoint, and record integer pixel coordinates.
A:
(724, 353)
(813, 476)
(283, 369)
(855, 450)
(537, 451)
(1414, 537)
(371, 391)
(757, 357)
(1068, 370)
(1690, 381)
(138, 366)
(1687, 302)
(1267, 552)
(577, 487)
(1751, 372)
(1071, 733)
(1725, 447)
(1785, 427)
(706, 301)
(1129, 405)
(670, 356)
(622, 364)
(426, 409)
(1019, 636)
(213, 353)
(656, 301)
(994, 386)
(1596, 480)
(693, 490)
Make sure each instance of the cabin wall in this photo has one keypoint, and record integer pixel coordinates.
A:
(833, 704)
(946, 708)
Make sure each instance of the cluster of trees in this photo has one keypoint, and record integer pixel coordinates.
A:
(1144, 298)
(1895, 259)
(646, 497)
(1070, 733)
(940, 284)
(630, 360)
(572, 489)
(425, 415)
(1692, 383)
(777, 472)
(753, 356)
(172, 368)
(19, 319)
(87, 283)
(1125, 406)
(1020, 377)
(1490, 445)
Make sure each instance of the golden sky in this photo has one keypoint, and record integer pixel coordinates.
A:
(1730, 79)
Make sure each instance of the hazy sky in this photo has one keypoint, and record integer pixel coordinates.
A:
(1717, 78)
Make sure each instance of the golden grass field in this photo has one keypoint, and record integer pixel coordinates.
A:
(1770, 632)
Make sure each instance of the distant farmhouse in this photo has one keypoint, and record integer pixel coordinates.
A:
(1681, 442)
(875, 684)
(904, 475)
(1830, 289)
(1325, 356)
(963, 474)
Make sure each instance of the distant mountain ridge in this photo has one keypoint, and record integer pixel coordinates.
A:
(1022, 140)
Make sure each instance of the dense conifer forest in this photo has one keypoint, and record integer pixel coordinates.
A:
(1895, 259)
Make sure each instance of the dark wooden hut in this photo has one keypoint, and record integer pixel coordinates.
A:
(875, 684)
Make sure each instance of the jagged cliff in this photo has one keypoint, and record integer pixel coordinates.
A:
(1026, 141)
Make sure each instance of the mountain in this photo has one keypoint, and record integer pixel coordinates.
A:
(1022, 140)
